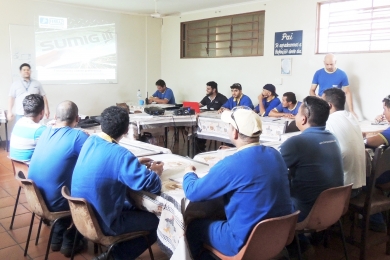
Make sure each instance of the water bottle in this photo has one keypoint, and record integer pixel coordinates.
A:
(139, 97)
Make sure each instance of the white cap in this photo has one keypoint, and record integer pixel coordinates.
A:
(247, 121)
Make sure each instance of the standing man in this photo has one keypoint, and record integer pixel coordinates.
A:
(345, 127)
(288, 108)
(103, 173)
(27, 130)
(331, 77)
(253, 183)
(20, 89)
(163, 95)
(213, 99)
(52, 167)
(267, 100)
(237, 99)
(313, 157)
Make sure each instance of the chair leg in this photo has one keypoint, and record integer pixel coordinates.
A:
(343, 240)
(39, 231)
(95, 248)
(298, 247)
(29, 234)
(388, 234)
(352, 230)
(74, 245)
(363, 240)
(16, 205)
(50, 237)
(150, 248)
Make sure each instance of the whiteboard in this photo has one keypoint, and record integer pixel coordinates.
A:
(22, 46)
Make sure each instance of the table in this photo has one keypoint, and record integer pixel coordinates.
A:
(369, 127)
(172, 207)
(3, 119)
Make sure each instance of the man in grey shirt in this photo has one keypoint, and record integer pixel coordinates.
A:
(20, 89)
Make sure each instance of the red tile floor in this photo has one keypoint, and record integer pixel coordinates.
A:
(12, 242)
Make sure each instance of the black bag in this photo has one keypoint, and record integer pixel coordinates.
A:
(147, 138)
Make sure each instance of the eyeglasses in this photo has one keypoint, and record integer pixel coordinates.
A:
(307, 107)
(234, 110)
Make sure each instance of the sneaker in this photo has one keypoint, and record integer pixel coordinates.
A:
(67, 251)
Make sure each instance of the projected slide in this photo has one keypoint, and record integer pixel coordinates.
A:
(70, 51)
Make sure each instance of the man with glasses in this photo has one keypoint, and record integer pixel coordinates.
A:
(253, 183)
(313, 157)
(51, 167)
(237, 99)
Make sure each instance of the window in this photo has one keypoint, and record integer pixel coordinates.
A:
(229, 36)
(353, 26)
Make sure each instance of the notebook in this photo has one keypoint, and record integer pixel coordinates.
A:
(193, 105)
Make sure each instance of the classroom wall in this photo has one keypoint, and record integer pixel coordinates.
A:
(138, 54)
(188, 77)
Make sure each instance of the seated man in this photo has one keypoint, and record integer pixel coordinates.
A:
(288, 108)
(163, 95)
(253, 183)
(313, 157)
(27, 130)
(267, 100)
(52, 167)
(103, 173)
(384, 136)
(237, 99)
(213, 99)
(345, 127)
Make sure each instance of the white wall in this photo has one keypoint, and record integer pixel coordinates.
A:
(138, 44)
(187, 77)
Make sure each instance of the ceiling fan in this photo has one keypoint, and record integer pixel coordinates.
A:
(156, 14)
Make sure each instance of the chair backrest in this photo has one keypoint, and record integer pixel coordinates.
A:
(83, 217)
(327, 209)
(19, 166)
(34, 197)
(292, 127)
(269, 237)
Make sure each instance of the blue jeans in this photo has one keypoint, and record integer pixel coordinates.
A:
(214, 233)
(63, 235)
(132, 221)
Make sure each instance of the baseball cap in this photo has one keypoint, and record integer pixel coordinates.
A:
(245, 121)
(270, 88)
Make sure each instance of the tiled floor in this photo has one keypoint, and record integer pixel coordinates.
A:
(12, 242)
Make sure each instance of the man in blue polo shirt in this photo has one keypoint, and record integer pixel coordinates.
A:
(384, 136)
(288, 108)
(163, 95)
(268, 100)
(253, 183)
(331, 77)
(313, 157)
(237, 99)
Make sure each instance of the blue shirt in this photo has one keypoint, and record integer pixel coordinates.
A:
(268, 105)
(102, 174)
(315, 164)
(293, 111)
(254, 185)
(386, 136)
(168, 94)
(325, 80)
(24, 138)
(232, 103)
(53, 161)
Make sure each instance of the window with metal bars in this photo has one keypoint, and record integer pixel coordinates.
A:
(353, 26)
(230, 36)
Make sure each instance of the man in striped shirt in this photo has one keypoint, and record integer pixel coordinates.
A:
(27, 130)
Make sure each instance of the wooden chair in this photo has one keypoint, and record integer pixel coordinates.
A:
(38, 207)
(23, 167)
(371, 202)
(267, 239)
(326, 211)
(86, 223)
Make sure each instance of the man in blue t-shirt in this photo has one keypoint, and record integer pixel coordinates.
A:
(253, 183)
(288, 108)
(52, 167)
(384, 136)
(163, 95)
(331, 77)
(268, 100)
(237, 99)
(313, 157)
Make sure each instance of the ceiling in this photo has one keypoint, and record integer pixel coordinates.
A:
(144, 7)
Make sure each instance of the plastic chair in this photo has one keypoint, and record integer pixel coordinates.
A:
(326, 211)
(86, 223)
(370, 202)
(23, 167)
(38, 207)
(267, 239)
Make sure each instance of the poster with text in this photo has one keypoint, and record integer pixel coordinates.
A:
(288, 43)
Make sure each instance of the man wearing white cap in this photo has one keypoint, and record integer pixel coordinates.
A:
(253, 183)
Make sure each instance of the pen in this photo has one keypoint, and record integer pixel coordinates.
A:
(174, 180)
